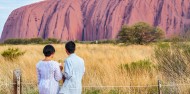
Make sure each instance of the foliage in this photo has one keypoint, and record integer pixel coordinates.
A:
(175, 39)
(163, 45)
(36, 40)
(140, 33)
(16, 41)
(31, 41)
(92, 91)
(52, 40)
(114, 92)
(139, 66)
(104, 42)
(12, 53)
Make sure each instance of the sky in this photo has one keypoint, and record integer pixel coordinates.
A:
(7, 6)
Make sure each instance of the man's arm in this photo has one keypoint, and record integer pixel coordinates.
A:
(68, 71)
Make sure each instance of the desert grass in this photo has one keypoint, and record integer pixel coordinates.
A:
(102, 61)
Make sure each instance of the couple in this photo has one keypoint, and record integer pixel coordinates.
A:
(49, 72)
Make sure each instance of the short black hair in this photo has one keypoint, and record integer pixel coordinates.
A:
(70, 47)
(48, 50)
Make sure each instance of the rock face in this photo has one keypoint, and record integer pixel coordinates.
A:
(94, 19)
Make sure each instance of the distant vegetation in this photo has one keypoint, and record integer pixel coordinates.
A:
(140, 33)
(32, 41)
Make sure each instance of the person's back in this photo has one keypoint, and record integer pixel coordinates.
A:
(49, 73)
(73, 72)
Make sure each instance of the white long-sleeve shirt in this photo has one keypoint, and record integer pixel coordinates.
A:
(49, 74)
(73, 71)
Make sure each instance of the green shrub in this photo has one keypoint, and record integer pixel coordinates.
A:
(152, 90)
(31, 41)
(16, 41)
(12, 53)
(164, 45)
(114, 91)
(92, 91)
(142, 65)
(52, 40)
(140, 33)
(77, 41)
(31, 92)
(104, 42)
(36, 40)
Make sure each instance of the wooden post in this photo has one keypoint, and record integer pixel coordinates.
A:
(17, 81)
(159, 87)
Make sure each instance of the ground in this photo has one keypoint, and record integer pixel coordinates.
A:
(102, 61)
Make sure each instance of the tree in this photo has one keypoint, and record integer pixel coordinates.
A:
(140, 33)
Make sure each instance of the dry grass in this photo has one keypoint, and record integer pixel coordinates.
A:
(102, 63)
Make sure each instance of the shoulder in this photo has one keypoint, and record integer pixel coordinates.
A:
(68, 59)
(55, 63)
(38, 64)
(81, 59)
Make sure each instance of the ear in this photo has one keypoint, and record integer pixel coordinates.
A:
(52, 54)
(66, 51)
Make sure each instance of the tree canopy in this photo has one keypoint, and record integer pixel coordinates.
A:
(140, 33)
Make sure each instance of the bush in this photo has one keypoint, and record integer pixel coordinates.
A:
(51, 40)
(16, 41)
(36, 40)
(163, 45)
(140, 33)
(114, 91)
(92, 91)
(31, 41)
(175, 39)
(139, 66)
(104, 42)
(12, 54)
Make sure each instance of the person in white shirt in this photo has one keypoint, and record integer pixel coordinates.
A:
(48, 72)
(73, 71)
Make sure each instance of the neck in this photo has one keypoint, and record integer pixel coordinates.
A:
(70, 53)
(47, 59)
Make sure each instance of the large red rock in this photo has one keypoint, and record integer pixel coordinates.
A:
(94, 19)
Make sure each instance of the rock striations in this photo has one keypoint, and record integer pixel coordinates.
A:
(94, 19)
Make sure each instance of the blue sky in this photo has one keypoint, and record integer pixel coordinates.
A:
(7, 6)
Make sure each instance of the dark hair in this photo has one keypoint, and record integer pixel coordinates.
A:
(48, 50)
(70, 47)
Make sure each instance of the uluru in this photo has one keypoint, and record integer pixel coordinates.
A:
(88, 20)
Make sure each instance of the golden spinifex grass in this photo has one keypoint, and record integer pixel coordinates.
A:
(101, 61)
(104, 65)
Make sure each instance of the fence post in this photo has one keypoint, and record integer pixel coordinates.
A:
(17, 81)
(159, 87)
